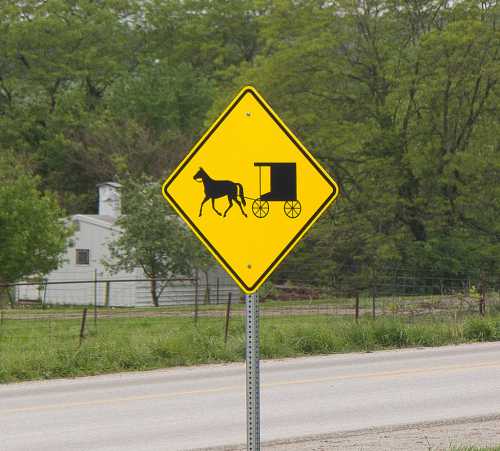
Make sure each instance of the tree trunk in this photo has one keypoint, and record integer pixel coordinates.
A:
(154, 292)
(482, 301)
(482, 295)
(4, 298)
(5, 295)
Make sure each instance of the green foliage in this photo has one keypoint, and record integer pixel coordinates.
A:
(480, 329)
(152, 237)
(32, 233)
(398, 101)
(164, 97)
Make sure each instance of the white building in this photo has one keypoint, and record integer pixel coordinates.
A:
(72, 283)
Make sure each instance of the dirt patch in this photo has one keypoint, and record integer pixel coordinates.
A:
(423, 437)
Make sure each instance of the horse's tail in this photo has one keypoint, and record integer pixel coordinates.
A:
(242, 194)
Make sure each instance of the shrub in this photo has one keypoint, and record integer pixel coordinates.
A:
(479, 329)
(391, 333)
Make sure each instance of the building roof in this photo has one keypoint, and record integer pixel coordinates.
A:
(105, 218)
(113, 184)
(99, 220)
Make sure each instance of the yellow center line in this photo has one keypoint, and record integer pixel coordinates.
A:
(380, 374)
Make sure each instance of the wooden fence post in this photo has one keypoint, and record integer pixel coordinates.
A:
(107, 293)
(45, 286)
(374, 296)
(482, 301)
(82, 326)
(357, 306)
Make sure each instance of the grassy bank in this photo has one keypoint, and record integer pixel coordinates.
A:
(48, 349)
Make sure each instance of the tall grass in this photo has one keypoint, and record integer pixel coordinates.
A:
(37, 350)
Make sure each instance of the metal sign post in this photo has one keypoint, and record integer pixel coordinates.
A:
(253, 383)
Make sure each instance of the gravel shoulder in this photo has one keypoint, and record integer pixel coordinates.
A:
(430, 436)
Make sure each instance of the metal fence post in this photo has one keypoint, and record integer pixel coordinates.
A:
(196, 288)
(252, 376)
(95, 299)
(228, 316)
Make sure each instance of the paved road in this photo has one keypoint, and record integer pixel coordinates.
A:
(204, 406)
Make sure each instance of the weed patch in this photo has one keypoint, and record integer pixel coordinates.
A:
(31, 350)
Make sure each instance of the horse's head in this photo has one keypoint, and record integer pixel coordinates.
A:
(200, 175)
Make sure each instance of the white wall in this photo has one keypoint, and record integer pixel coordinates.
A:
(94, 237)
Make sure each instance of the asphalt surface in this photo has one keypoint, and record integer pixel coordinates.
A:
(185, 408)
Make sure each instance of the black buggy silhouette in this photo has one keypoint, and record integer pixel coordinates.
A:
(283, 189)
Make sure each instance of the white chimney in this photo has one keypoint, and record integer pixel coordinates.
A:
(109, 199)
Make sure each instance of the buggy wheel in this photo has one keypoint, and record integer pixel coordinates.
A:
(292, 208)
(260, 208)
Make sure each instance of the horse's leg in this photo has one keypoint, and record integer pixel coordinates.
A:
(215, 209)
(241, 207)
(230, 205)
(201, 206)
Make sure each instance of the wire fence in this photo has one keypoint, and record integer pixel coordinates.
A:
(42, 313)
(123, 290)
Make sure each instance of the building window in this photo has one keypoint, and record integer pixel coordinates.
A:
(82, 256)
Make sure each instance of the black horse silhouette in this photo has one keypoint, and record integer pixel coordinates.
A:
(220, 188)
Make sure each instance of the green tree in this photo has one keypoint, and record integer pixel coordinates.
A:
(212, 36)
(33, 235)
(397, 100)
(57, 60)
(152, 238)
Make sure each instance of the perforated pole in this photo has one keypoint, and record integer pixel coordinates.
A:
(252, 360)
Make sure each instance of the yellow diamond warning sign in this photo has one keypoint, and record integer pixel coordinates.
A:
(249, 190)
